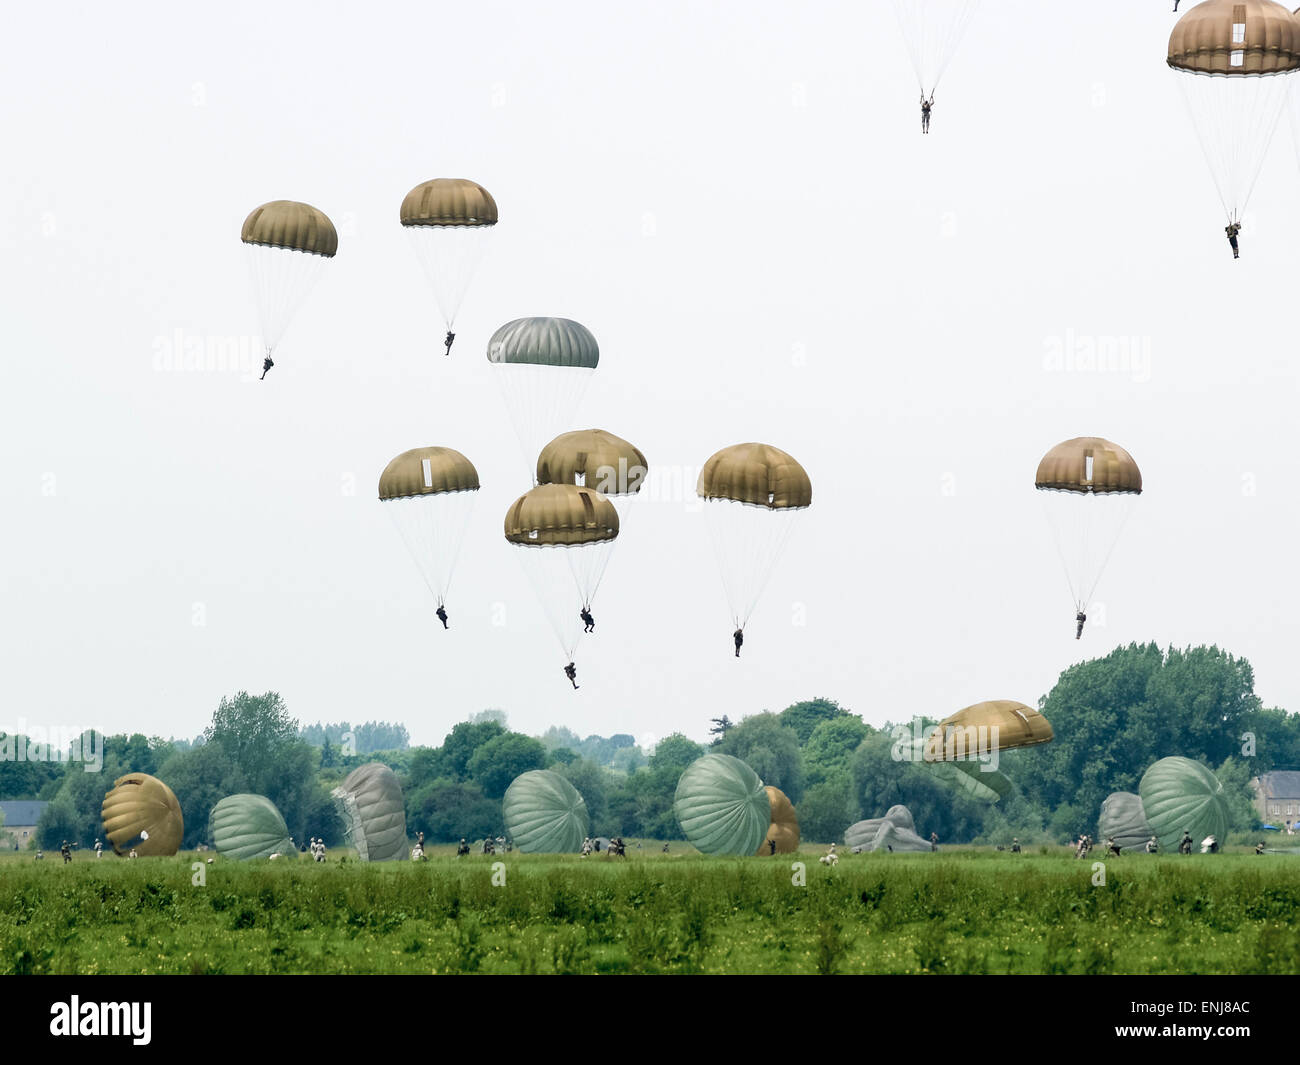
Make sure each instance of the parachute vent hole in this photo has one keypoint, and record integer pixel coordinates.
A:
(580, 479)
(428, 472)
(532, 534)
(771, 498)
(1238, 57)
(1087, 469)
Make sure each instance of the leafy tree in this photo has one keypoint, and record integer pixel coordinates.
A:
(563, 756)
(719, 729)
(256, 733)
(1234, 775)
(771, 749)
(806, 716)
(558, 736)
(591, 781)
(826, 810)
(447, 810)
(460, 746)
(485, 716)
(828, 751)
(496, 763)
(59, 821)
(200, 778)
(674, 753)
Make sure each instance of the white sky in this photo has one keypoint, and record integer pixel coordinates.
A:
(736, 199)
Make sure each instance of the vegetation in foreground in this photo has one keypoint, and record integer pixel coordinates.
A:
(962, 912)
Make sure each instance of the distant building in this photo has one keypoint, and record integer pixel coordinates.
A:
(20, 820)
(1277, 797)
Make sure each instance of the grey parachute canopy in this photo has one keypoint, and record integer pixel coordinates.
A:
(895, 831)
(370, 805)
(248, 826)
(544, 813)
(722, 806)
(1123, 820)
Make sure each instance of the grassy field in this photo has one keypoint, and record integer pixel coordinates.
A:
(958, 911)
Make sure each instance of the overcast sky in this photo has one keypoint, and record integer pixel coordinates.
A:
(736, 199)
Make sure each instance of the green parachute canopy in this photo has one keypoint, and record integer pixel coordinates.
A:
(1123, 820)
(722, 806)
(544, 813)
(249, 826)
(1179, 795)
(369, 802)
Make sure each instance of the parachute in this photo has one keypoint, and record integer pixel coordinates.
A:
(448, 221)
(933, 29)
(544, 814)
(1232, 60)
(593, 458)
(1088, 486)
(140, 813)
(369, 802)
(542, 367)
(752, 494)
(565, 535)
(895, 831)
(286, 243)
(783, 828)
(1123, 820)
(1179, 795)
(999, 725)
(429, 493)
(722, 806)
(248, 826)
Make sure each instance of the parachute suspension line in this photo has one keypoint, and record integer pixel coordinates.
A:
(433, 527)
(1125, 511)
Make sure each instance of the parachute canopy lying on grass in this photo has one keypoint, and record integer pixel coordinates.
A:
(593, 457)
(249, 826)
(722, 806)
(1179, 795)
(783, 829)
(370, 805)
(893, 832)
(544, 813)
(140, 813)
(997, 725)
(1123, 820)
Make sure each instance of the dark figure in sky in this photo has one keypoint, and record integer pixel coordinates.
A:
(571, 671)
(1185, 844)
(448, 340)
(1079, 618)
(1175, 7)
(442, 614)
(926, 106)
(1232, 232)
(739, 637)
(588, 622)
(266, 365)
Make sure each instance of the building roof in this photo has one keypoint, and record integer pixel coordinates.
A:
(1280, 784)
(27, 813)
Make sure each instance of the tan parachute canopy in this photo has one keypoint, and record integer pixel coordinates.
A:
(1207, 40)
(291, 225)
(427, 471)
(1066, 468)
(595, 456)
(142, 808)
(784, 828)
(758, 474)
(1017, 725)
(561, 515)
(449, 202)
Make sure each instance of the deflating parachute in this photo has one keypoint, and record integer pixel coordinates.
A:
(1123, 820)
(142, 814)
(542, 366)
(369, 802)
(565, 535)
(287, 242)
(999, 725)
(933, 29)
(860, 835)
(1179, 795)
(1232, 60)
(1088, 486)
(544, 813)
(448, 221)
(429, 493)
(249, 826)
(752, 494)
(722, 806)
(784, 827)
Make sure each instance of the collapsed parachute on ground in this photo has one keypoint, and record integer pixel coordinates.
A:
(429, 493)
(565, 536)
(893, 832)
(722, 806)
(542, 367)
(1123, 820)
(448, 221)
(544, 813)
(370, 805)
(593, 458)
(248, 826)
(140, 813)
(1179, 795)
(1087, 486)
(932, 30)
(287, 243)
(752, 495)
(1233, 61)
(998, 725)
(783, 829)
